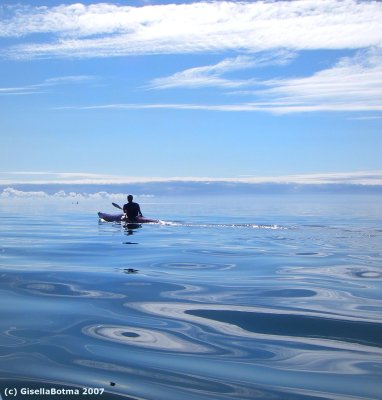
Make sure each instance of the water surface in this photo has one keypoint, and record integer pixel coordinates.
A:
(257, 297)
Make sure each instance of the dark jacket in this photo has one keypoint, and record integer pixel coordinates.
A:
(132, 210)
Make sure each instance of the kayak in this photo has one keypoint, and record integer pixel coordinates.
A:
(118, 218)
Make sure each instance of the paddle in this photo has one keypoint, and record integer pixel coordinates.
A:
(117, 206)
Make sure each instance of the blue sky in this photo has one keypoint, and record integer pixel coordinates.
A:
(141, 90)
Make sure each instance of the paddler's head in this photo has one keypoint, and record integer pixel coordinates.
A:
(130, 198)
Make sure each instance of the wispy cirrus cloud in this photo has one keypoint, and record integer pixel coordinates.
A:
(210, 75)
(351, 84)
(270, 107)
(214, 75)
(42, 86)
(256, 29)
(105, 30)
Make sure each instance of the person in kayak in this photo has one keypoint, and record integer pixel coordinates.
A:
(131, 209)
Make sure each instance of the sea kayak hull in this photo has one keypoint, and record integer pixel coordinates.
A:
(110, 217)
(118, 218)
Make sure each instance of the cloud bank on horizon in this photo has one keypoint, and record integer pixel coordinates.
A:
(372, 178)
(77, 187)
(261, 33)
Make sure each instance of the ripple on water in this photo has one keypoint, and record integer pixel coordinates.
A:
(193, 266)
(66, 290)
(298, 325)
(185, 384)
(236, 253)
(341, 272)
(312, 254)
(145, 338)
(319, 329)
(368, 274)
(289, 293)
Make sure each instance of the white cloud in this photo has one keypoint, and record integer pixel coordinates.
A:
(11, 193)
(205, 76)
(43, 178)
(369, 117)
(64, 80)
(212, 75)
(260, 28)
(352, 84)
(100, 30)
(37, 88)
(17, 90)
(270, 107)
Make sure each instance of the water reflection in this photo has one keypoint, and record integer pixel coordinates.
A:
(312, 253)
(195, 311)
(145, 338)
(131, 228)
(130, 271)
(304, 327)
(343, 273)
(65, 290)
(193, 266)
(153, 381)
(287, 293)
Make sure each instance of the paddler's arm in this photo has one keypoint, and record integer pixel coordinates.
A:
(125, 217)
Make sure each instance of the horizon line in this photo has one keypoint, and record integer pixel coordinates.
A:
(372, 178)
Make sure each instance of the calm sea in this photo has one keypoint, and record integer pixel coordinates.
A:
(267, 297)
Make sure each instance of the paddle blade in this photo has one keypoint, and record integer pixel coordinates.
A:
(117, 206)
